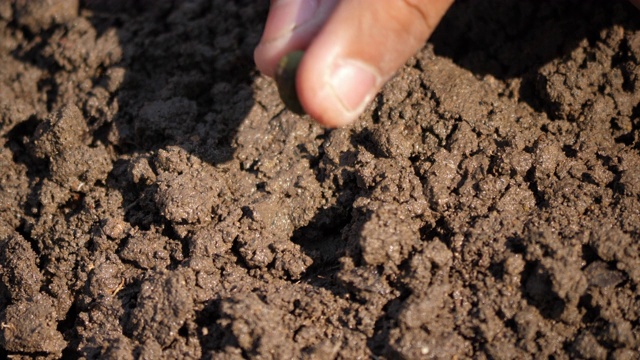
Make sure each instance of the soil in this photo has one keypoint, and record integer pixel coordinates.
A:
(158, 201)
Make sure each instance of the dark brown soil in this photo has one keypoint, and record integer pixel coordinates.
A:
(157, 201)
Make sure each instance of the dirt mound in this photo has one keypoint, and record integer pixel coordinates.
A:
(158, 201)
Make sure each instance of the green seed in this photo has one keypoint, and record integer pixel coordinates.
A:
(286, 80)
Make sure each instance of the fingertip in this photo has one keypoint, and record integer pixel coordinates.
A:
(266, 58)
(291, 25)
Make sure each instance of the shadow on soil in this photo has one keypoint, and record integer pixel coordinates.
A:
(511, 39)
(189, 70)
(188, 80)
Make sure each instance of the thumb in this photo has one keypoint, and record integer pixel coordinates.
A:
(359, 48)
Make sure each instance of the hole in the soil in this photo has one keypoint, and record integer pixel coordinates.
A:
(438, 230)
(591, 313)
(533, 186)
(101, 134)
(235, 250)
(588, 178)
(169, 232)
(511, 324)
(379, 342)
(73, 205)
(536, 284)
(452, 131)
(375, 115)
(18, 143)
(627, 138)
(22, 230)
(321, 240)
(184, 331)
(497, 270)
(21, 132)
(569, 151)
(589, 254)
(615, 184)
(619, 60)
(516, 245)
(69, 331)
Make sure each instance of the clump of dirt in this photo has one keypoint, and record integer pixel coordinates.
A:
(159, 201)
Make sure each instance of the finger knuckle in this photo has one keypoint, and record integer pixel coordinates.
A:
(421, 9)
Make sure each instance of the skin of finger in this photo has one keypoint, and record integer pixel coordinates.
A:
(267, 54)
(636, 3)
(383, 34)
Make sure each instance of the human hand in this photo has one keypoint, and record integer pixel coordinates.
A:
(352, 48)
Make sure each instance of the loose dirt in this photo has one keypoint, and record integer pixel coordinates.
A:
(158, 201)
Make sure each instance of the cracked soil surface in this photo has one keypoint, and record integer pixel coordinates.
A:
(157, 201)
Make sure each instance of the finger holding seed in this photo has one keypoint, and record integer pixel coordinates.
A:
(351, 48)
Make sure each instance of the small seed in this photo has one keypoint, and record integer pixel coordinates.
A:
(286, 80)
